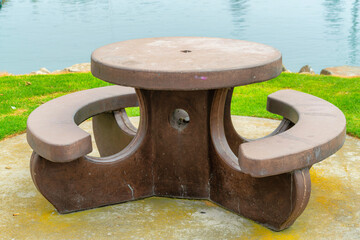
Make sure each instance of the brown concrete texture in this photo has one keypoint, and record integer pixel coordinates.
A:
(183, 63)
(332, 213)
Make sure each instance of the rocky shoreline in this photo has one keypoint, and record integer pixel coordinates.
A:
(340, 71)
(80, 67)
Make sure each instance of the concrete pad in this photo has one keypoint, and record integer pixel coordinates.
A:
(332, 213)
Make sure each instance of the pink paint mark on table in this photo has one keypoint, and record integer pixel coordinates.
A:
(201, 77)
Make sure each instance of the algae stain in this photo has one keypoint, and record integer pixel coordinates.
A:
(328, 189)
(48, 218)
(257, 231)
(261, 232)
(329, 200)
(333, 201)
(210, 204)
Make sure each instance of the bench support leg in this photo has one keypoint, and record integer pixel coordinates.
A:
(274, 201)
(113, 131)
(89, 182)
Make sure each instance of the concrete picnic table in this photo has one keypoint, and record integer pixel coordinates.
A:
(186, 145)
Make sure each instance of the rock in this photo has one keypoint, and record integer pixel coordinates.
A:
(326, 72)
(36, 73)
(81, 67)
(284, 69)
(342, 71)
(60, 71)
(44, 70)
(306, 70)
(41, 71)
(2, 74)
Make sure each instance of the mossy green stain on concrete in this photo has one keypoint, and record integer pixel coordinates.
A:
(332, 213)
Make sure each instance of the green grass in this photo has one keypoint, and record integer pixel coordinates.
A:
(25, 93)
(19, 95)
(344, 93)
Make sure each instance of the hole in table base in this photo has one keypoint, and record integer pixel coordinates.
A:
(179, 119)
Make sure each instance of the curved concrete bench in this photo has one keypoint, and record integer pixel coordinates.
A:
(319, 131)
(52, 130)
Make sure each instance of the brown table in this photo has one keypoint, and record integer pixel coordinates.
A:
(183, 146)
(186, 145)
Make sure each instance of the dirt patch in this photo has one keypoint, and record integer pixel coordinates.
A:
(47, 96)
(17, 112)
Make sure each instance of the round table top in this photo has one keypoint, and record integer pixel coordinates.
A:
(185, 63)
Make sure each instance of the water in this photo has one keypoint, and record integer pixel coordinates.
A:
(59, 33)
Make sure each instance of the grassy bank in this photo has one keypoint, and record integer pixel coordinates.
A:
(19, 95)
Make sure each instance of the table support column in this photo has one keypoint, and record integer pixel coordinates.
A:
(178, 125)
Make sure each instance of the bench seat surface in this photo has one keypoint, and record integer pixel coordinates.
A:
(319, 131)
(52, 129)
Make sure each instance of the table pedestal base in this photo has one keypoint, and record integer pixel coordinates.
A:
(182, 149)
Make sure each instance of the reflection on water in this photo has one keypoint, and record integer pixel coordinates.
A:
(2, 3)
(239, 9)
(343, 22)
(354, 32)
(334, 9)
(56, 34)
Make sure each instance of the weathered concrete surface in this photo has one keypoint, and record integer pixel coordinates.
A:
(342, 71)
(333, 211)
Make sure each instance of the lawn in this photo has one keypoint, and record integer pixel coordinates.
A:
(19, 95)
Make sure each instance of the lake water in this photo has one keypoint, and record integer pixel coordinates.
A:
(59, 33)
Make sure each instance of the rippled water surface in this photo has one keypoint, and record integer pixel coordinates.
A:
(58, 33)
